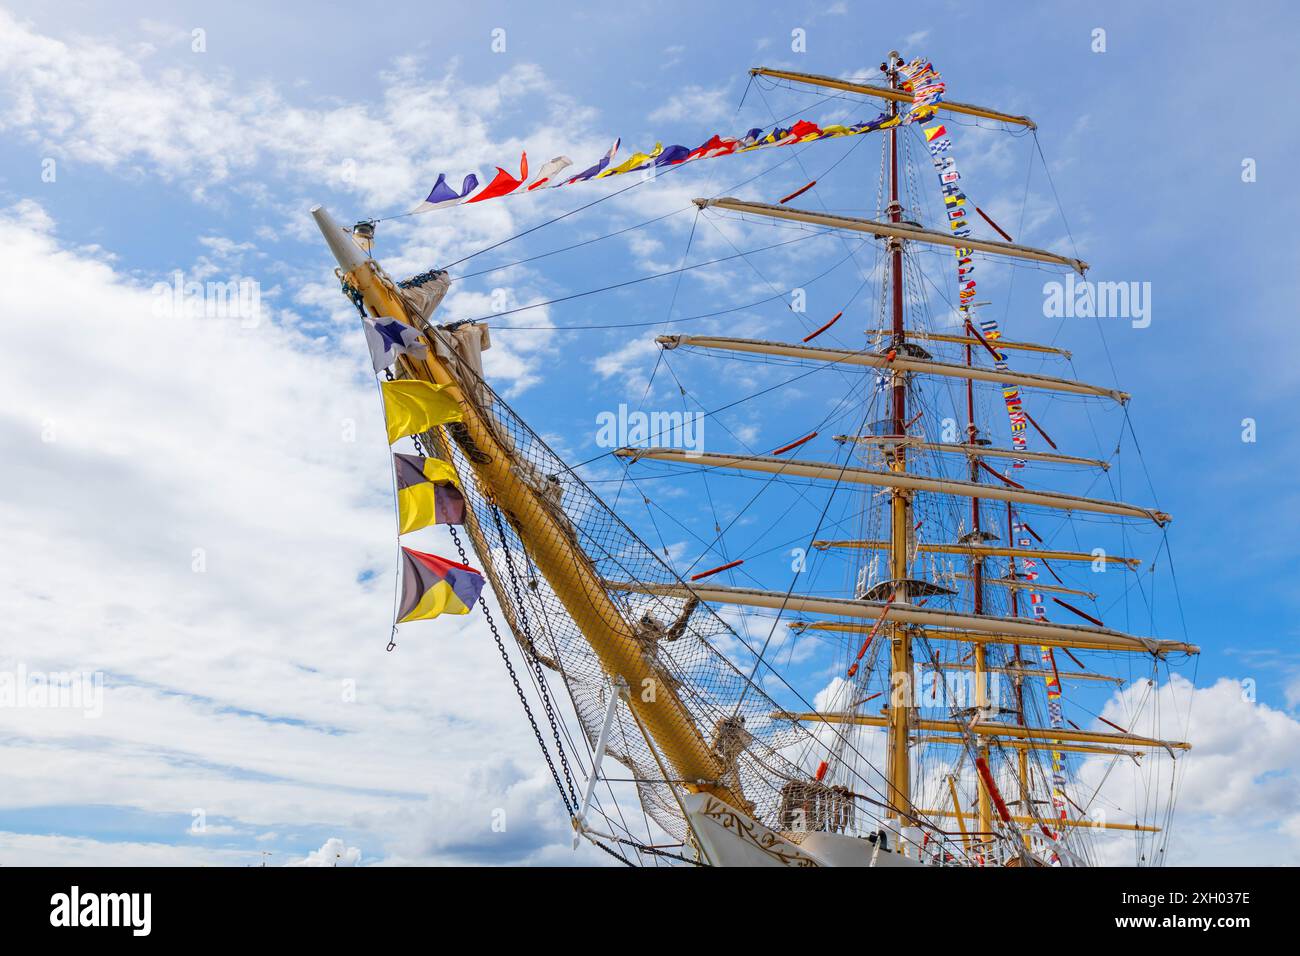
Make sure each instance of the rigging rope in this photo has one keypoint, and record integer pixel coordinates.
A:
(570, 805)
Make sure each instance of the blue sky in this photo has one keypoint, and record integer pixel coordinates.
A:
(171, 437)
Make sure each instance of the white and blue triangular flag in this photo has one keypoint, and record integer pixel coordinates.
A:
(389, 338)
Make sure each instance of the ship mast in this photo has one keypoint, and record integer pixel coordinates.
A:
(899, 768)
(977, 578)
(891, 604)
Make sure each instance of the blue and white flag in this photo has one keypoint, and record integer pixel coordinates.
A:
(389, 338)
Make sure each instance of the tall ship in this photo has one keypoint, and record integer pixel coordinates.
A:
(926, 677)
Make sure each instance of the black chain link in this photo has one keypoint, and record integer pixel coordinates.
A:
(354, 296)
(614, 853)
(532, 649)
(519, 690)
(419, 280)
(652, 850)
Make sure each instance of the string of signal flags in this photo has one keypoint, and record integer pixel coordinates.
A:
(428, 491)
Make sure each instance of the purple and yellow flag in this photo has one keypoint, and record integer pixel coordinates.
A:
(432, 585)
(427, 493)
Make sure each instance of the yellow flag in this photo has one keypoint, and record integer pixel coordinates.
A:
(637, 160)
(412, 406)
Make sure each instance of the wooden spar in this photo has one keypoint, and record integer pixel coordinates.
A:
(1029, 745)
(900, 363)
(998, 475)
(1083, 614)
(956, 806)
(1111, 723)
(1020, 671)
(794, 444)
(1000, 231)
(812, 335)
(954, 625)
(988, 728)
(965, 340)
(871, 636)
(718, 570)
(1039, 428)
(982, 765)
(940, 633)
(898, 230)
(979, 337)
(1018, 585)
(984, 550)
(891, 95)
(1077, 662)
(1063, 824)
(799, 468)
(551, 545)
(798, 192)
(973, 451)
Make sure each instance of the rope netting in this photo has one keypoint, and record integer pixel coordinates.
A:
(695, 654)
(705, 659)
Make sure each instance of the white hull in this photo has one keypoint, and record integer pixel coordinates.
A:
(729, 837)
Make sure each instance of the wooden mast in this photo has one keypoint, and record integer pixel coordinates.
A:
(900, 654)
(551, 546)
(1026, 795)
(985, 802)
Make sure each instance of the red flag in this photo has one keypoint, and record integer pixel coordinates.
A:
(503, 183)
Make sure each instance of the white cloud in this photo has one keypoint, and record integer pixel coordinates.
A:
(130, 442)
(88, 100)
(698, 104)
(629, 366)
(333, 852)
(23, 849)
(1237, 796)
(134, 441)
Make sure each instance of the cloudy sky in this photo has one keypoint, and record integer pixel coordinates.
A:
(199, 508)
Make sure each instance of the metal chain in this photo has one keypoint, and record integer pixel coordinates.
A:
(418, 280)
(352, 292)
(532, 647)
(510, 668)
(654, 851)
(614, 853)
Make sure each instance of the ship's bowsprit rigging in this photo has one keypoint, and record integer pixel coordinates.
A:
(892, 695)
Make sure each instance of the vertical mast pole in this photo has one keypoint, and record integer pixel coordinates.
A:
(1026, 803)
(900, 656)
(977, 577)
